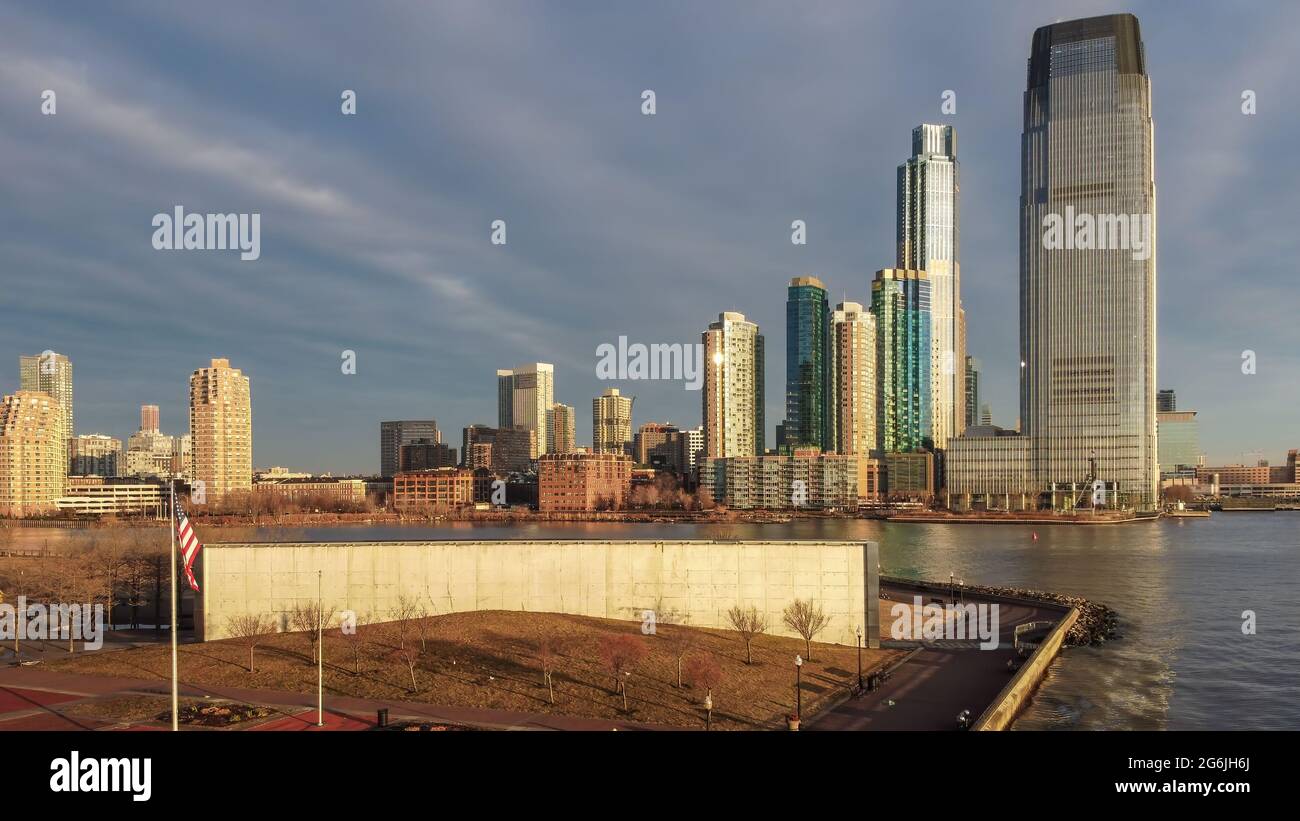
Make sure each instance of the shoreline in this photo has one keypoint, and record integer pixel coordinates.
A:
(729, 517)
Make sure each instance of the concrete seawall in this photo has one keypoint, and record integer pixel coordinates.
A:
(683, 581)
(1018, 692)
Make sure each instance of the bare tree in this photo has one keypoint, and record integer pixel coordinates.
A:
(703, 672)
(402, 632)
(250, 630)
(308, 618)
(548, 657)
(356, 642)
(680, 642)
(749, 623)
(807, 619)
(621, 654)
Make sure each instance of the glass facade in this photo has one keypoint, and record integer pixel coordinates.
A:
(807, 311)
(900, 301)
(1088, 310)
(928, 233)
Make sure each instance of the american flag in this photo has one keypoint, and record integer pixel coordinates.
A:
(189, 544)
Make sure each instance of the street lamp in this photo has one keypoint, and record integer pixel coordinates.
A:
(798, 687)
(859, 632)
(708, 711)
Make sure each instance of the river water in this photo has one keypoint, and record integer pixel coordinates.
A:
(1180, 588)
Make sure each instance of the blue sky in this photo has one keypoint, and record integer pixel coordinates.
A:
(375, 227)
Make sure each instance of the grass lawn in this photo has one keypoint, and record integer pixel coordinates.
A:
(490, 659)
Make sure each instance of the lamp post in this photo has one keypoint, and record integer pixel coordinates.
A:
(708, 711)
(798, 688)
(859, 631)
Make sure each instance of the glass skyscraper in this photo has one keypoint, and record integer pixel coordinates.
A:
(900, 301)
(807, 311)
(928, 232)
(1087, 260)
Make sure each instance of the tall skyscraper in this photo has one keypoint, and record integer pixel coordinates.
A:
(733, 387)
(51, 373)
(221, 429)
(560, 429)
(1087, 259)
(149, 418)
(900, 301)
(531, 389)
(806, 374)
(395, 434)
(853, 379)
(33, 454)
(1166, 401)
(972, 391)
(928, 229)
(611, 422)
(505, 399)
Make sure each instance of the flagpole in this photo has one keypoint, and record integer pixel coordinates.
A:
(320, 657)
(175, 697)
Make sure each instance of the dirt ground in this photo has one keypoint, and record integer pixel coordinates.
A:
(490, 659)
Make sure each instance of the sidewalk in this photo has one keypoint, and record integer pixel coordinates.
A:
(28, 692)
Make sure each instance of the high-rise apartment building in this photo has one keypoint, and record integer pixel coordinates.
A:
(900, 302)
(33, 454)
(1087, 261)
(560, 426)
(50, 373)
(972, 391)
(149, 453)
(611, 422)
(928, 229)
(650, 438)
(531, 389)
(94, 454)
(393, 435)
(221, 429)
(733, 387)
(806, 375)
(853, 380)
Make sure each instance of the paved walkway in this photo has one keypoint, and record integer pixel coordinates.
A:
(928, 690)
(28, 693)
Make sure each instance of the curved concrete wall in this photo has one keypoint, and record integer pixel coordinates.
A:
(1020, 689)
(691, 582)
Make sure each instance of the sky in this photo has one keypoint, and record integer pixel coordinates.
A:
(376, 227)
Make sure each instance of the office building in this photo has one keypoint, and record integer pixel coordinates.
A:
(1178, 440)
(531, 389)
(1088, 262)
(424, 454)
(651, 437)
(1166, 401)
(393, 435)
(149, 418)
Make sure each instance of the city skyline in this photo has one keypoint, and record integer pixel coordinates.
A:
(425, 339)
